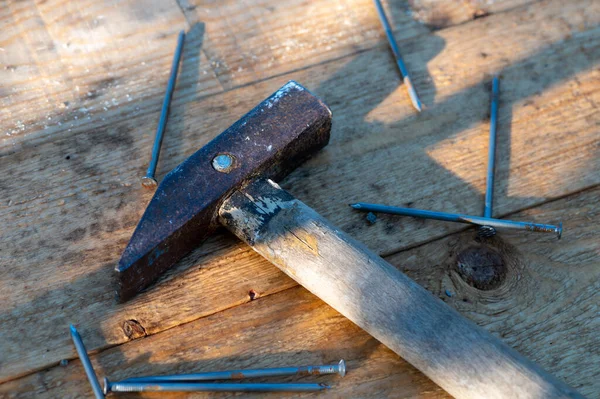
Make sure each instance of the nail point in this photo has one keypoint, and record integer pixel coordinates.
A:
(559, 230)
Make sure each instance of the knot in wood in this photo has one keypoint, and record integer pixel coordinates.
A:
(481, 267)
(133, 329)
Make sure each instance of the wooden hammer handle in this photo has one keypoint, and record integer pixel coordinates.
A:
(459, 356)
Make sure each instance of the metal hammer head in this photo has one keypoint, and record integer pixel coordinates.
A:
(269, 141)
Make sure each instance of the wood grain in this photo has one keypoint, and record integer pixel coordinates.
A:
(384, 302)
(441, 14)
(245, 44)
(70, 68)
(546, 308)
(72, 203)
(63, 69)
(546, 304)
(289, 329)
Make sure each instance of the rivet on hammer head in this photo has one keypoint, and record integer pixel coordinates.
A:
(223, 163)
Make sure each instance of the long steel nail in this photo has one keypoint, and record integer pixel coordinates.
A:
(87, 365)
(339, 368)
(394, 46)
(489, 231)
(489, 191)
(122, 386)
(149, 181)
(453, 217)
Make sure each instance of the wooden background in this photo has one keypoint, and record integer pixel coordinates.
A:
(81, 89)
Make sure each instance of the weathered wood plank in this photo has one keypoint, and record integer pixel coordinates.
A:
(65, 61)
(545, 301)
(388, 305)
(290, 329)
(73, 202)
(64, 70)
(245, 44)
(441, 14)
(546, 307)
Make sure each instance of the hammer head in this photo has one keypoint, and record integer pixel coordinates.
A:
(269, 141)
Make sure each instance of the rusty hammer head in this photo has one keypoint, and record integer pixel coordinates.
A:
(269, 141)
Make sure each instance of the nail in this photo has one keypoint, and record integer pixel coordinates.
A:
(87, 365)
(339, 368)
(394, 46)
(149, 181)
(489, 192)
(489, 231)
(453, 217)
(122, 386)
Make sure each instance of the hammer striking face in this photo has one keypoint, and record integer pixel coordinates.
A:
(270, 141)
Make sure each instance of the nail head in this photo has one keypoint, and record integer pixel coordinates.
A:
(342, 368)
(149, 182)
(106, 386)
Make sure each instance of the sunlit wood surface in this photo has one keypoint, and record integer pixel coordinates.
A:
(81, 89)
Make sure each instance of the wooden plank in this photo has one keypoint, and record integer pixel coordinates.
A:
(441, 14)
(546, 308)
(65, 61)
(545, 303)
(64, 69)
(74, 202)
(384, 302)
(246, 44)
(293, 328)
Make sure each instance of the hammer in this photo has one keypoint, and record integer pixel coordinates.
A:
(229, 182)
